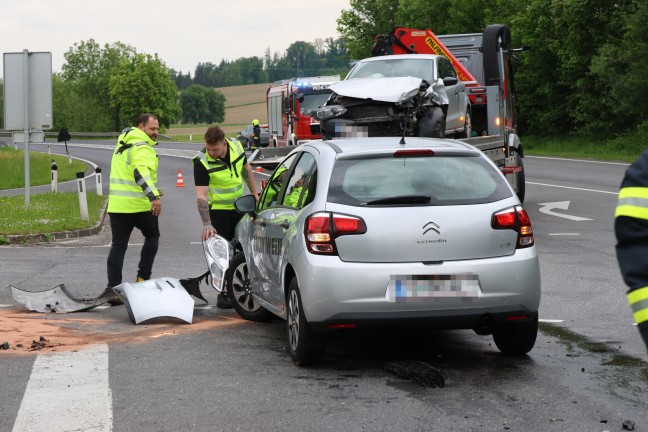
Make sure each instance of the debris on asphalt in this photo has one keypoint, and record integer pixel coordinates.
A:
(629, 425)
(4, 346)
(419, 372)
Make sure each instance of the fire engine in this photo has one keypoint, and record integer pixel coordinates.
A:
(290, 103)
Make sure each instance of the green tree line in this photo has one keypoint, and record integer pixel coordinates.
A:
(582, 69)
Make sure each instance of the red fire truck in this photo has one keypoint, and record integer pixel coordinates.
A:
(289, 105)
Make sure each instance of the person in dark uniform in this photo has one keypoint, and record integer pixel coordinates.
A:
(631, 229)
(256, 134)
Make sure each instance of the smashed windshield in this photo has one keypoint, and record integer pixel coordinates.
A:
(418, 68)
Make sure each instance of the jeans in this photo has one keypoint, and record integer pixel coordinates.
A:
(122, 225)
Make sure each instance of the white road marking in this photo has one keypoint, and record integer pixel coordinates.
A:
(552, 321)
(68, 391)
(579, 160)
(574, 188)
(564, 234)
(547, 208)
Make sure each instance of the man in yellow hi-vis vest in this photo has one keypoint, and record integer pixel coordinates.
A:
(134, 198)
(220, 171)
(631, 229)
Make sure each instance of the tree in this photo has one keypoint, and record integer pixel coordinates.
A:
(143, 84)
(366, 19)
(202, 105)
(87, 73)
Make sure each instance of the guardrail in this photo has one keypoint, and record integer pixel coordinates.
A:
(7, 136)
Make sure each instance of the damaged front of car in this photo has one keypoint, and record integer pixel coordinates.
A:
(390, 106)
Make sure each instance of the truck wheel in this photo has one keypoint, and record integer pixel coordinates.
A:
(240, 291)
(521, 181)
(305, 345)
(490, 46)
(516, 338)
(432, 124)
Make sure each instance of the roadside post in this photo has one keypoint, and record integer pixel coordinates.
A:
(83, 199)
(54, 186)
(99, 184)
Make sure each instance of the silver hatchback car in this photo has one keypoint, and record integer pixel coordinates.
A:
(368, 231)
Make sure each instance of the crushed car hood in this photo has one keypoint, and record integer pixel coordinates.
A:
(380, 89)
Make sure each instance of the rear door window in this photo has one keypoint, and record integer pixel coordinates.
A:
(436, 180)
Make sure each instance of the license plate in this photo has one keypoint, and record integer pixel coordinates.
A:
(408, 288)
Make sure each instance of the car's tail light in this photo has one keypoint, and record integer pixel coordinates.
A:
(321, 230)
(413, 153)
(517, 219)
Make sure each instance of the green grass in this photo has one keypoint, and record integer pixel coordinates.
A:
(12, 168)
(624, 148)
(47, 213)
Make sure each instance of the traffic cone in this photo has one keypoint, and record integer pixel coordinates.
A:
(180, 182)
(259, 169)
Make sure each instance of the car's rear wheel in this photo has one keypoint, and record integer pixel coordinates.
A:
(306, 346)
(516, 338)
(432, 124)
(240, 291)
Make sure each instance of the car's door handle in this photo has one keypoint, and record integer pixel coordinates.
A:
(262, 223)
(284, 225)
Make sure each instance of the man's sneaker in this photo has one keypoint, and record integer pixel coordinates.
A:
(223, 301)
(114, 299)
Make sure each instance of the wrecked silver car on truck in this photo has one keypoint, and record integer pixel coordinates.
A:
(410, 94)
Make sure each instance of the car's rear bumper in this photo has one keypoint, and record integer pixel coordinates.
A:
(335, 291)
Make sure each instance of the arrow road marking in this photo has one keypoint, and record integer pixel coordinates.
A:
(548, 208)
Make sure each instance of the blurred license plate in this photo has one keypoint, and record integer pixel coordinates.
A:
(403, 288)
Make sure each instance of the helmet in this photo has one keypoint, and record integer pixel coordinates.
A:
(255, 122)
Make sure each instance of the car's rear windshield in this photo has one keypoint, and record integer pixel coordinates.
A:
(431, 180)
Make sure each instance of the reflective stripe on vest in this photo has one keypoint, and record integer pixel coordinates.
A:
(638, 300)
(633, 202)
(225, 183)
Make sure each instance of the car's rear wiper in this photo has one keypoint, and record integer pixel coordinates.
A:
(403, 199)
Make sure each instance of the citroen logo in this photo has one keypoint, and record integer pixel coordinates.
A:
(431, 226)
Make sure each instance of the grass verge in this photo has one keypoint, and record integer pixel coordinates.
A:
(12, 168)
(625, 148)
(47, 213)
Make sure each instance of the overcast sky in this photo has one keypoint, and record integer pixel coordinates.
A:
(182, 33)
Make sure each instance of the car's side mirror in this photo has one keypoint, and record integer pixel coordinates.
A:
(450, 81)
(245, 204)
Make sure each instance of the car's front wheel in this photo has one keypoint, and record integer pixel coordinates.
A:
(516, 338)
(306, 346)
(240, 291)
(467, 129)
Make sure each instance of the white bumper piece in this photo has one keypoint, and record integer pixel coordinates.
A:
(159, 297)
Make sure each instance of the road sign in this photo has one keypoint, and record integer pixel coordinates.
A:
(28, 90)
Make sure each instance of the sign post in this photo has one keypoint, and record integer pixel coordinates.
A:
(27, 99)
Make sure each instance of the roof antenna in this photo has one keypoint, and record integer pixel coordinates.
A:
(404, 124)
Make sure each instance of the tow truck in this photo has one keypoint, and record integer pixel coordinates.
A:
(483, 63)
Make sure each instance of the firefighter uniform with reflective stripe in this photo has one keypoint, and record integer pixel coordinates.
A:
(631, 229)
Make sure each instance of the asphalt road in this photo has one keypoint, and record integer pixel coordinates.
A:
(587, 372)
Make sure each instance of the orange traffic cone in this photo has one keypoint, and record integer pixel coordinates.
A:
(259, 169)
(180, 182)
